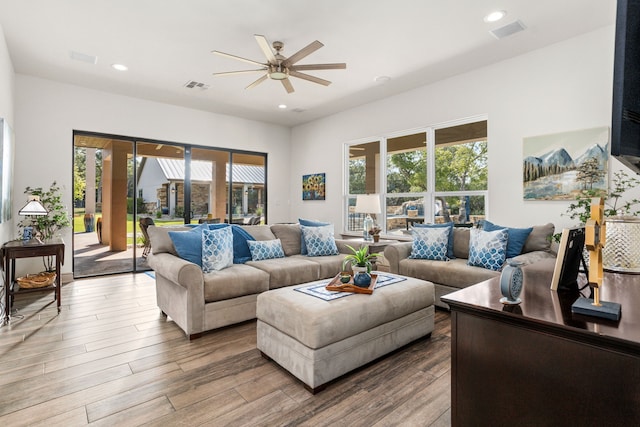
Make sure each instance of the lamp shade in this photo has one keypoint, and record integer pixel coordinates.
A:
(33, 207)
(368, 203)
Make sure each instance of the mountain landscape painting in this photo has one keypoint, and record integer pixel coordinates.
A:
(562, 165)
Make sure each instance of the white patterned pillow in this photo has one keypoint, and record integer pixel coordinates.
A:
(319, 240)
(488, 249)
(430, 243)
(217, 249)
(265, 249)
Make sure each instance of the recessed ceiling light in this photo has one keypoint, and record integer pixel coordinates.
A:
(495, 16)
(282, 106)
(382, 79)
(119, 67)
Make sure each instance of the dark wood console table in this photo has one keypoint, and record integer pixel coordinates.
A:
(15, 249)
(536, 363)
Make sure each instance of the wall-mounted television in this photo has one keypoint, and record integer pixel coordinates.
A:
(625, 123)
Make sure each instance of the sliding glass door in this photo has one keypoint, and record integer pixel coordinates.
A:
(122, 185)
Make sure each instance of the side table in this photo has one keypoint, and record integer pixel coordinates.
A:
(15, 249)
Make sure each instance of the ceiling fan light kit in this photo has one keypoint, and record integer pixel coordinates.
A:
(279, 67)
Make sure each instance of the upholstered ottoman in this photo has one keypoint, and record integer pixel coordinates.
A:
(319, 340)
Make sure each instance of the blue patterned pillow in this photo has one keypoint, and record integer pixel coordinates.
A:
(445, 224)
(308, 223)
(265, 249)
(517, 237)
(430, 243)
(319, 240)
(217, 249)
(488, 249)
(188, 244)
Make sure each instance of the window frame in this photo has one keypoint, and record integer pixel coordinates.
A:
(429, 196)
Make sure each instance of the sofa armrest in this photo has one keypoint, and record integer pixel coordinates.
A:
(177, 270)
(395, 253)
(342, 245)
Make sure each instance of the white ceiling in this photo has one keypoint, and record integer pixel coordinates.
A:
(166, 43)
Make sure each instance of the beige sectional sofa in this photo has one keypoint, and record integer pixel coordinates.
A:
(455, 274)
(199, 302)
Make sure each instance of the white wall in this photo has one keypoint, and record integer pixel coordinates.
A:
(47, 112)
(566, 86)
(7, 77)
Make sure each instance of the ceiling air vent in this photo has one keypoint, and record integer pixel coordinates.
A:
(507, 30)
(192, 84)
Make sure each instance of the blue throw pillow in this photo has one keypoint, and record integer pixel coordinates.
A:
(450, 254)
(188, 244)
(517, 237)
(430, 243)
(265, 249)
(217, 249)
(488, 249)
(308, 223)
(320, 240)
(241, 251)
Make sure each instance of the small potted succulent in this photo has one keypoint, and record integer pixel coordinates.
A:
(375, 232)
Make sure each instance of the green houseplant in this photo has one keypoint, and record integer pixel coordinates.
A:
(621, 251)
(359, 258)
(48, 225)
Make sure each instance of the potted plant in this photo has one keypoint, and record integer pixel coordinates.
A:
(375, 232)
(361, 263)
(621, 249)
(48, 225)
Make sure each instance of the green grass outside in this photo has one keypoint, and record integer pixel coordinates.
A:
(78, 223)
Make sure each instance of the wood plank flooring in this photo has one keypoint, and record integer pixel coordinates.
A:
(109, 358)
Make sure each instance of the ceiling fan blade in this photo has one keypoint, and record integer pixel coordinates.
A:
(336, 66)
(287, 85)
(231, 73)
(302, 53)
(266, 49)
(257, 82)
(309, 78)
(239, 58)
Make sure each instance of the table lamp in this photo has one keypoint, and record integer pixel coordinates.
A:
(34, 207)
(368, 204)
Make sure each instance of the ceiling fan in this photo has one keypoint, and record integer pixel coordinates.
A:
(281, 68)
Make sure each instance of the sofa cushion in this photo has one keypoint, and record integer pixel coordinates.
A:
(289, 235)
(450, 253)
(488, 249)
(329, 265)
(288, 271)
(516, 240)
(319, 240)
(461, 237)
(430, 243)
(217, 249)
(259, 232)
(266, 249)
(236, 281)
(539, 239)
(455, 273)
(160, 240)
(309, 223)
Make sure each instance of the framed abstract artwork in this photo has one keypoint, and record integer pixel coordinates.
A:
(313, 186)
(561, 166)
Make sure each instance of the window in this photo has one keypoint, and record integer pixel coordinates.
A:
(438, 174)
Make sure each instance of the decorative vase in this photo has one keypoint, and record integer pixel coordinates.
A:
(621, 252)
(511, 282)
(362, 279)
